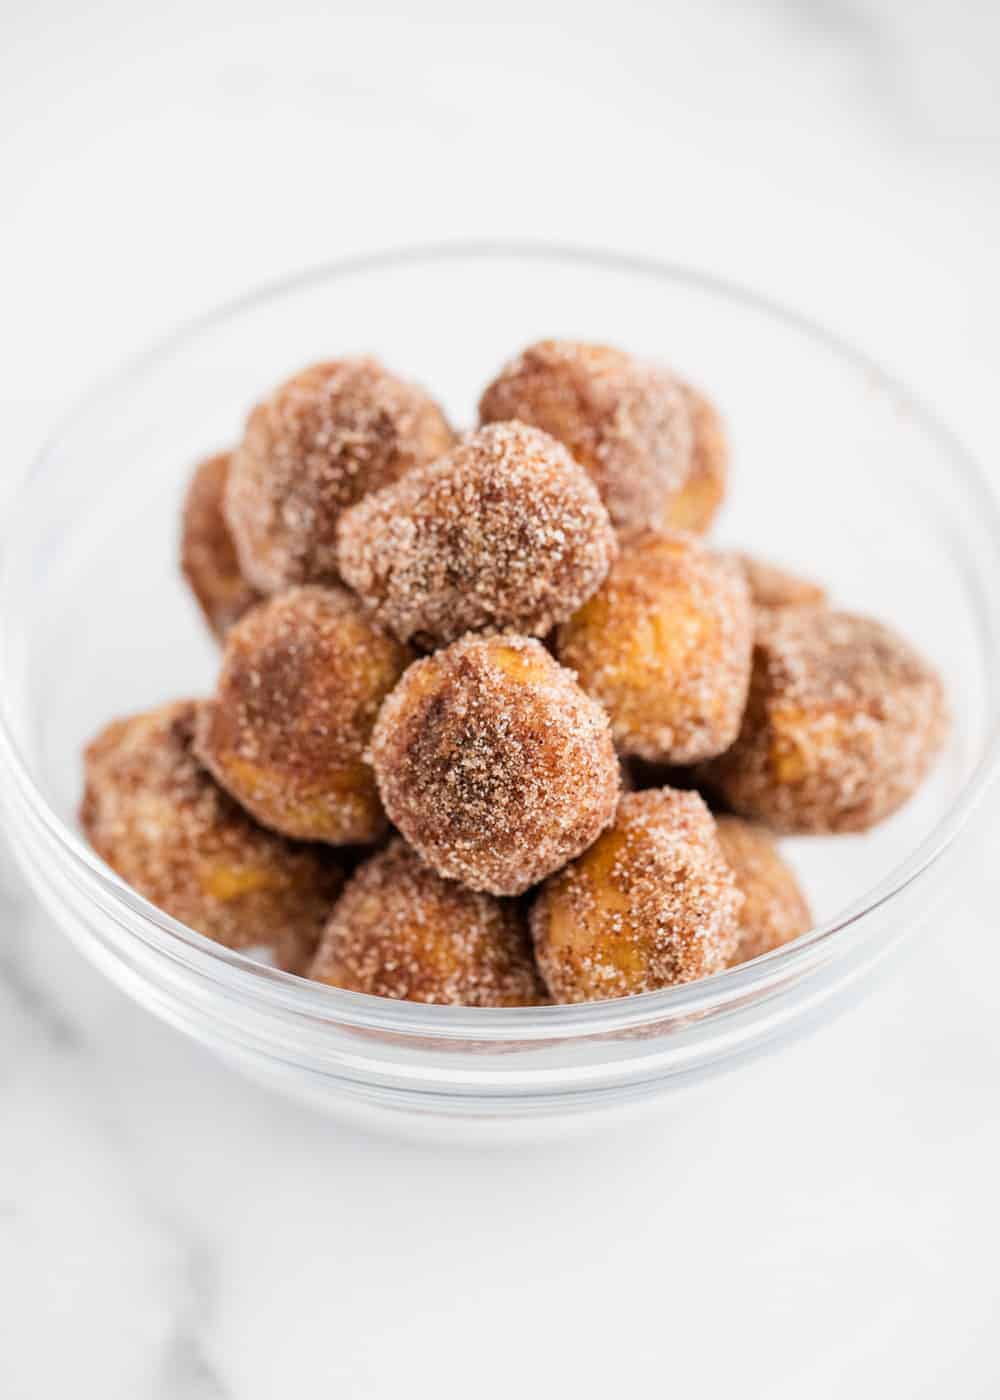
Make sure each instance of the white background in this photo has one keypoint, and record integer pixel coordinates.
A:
(168, 1231)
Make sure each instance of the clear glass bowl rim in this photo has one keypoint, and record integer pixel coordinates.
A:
(282, 991)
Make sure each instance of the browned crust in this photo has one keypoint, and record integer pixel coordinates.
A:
(494, 764)
(624, 420)
(652, 903)
(325, 438)
(208, 554)
(401, 931)
(302, 679)
(157, 818)
(775, 910)
(504, 533)
(664, 645)
(843, 721)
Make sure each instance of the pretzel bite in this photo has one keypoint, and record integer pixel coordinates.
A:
(652, 903)
(321, 441)
(303, 676)
(664, 645)
(504, 533)
(843, 721)
(399, 930)
(626, 421)
(162, 823)
(494, 764)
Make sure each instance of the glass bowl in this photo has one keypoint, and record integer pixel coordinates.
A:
(837, 471)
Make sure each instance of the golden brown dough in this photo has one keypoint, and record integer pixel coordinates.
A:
(400, 931)
(494, 764)
(697, 501)
(652, 903)
(844, 719)
(626, 421)
(664, 645)
(323, 439)
(152, 812)
(208, 554)
(303, 676)
(774, 908)
(504, 533)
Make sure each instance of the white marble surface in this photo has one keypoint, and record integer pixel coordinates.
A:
(169, 1231)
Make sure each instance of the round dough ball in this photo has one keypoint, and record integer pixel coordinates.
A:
(494, 764)
(504, 533)
(650, 904)
(401, 931)
(664, 645)
(208, 554)
(626, 421)
(696, 503)
(321, 441)
(159, 820)
(842, 723)
(774, 908)
(302, 679)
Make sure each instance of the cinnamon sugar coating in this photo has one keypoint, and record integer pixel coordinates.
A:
(664, 645)
(400, 931)
(696, 503)
(324, 439)
(626, 421)
(650, 904)
(504, 533)
(494, 764)
(157, 818)
(774, 908)
(208, 554)
(303, 676)
(774, 587)
(843, 720)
